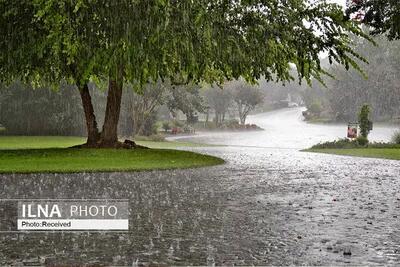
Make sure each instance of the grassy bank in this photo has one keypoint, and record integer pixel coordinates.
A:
(49, 154)
(39, 142)
(385, 153)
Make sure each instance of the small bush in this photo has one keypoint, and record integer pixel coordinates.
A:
(383, 145)
(396, 137)
(362, 141)
(231, 124)
(341, 143)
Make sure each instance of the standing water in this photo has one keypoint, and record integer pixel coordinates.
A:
(268, 205)
(286, 128)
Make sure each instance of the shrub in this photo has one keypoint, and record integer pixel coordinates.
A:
(178, 124)
(396, 137)
(315, 108)
(341, 143)
(362, 141)
(188, 129)
(363, 120)
(232, 124)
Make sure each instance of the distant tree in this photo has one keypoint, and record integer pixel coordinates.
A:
(246, 97)
(219, 100)
(382, 15)
(349, 91)
(187, 99)
(363, 120)
(24, 111)
(315, 107)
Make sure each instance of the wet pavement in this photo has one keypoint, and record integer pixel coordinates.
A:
(267, 206)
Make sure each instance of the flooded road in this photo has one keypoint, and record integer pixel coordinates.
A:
(268, 205)
(285, 128)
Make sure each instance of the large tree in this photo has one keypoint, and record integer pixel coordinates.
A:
(141, 41)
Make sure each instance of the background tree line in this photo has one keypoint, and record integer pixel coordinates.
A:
(379, 87)
(43, 111)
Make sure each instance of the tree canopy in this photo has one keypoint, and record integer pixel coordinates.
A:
(382, 15)
(141, 41)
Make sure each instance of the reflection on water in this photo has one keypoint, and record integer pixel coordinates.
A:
(264, 207)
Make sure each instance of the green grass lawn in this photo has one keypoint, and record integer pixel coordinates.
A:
(29, 142)
(22, 154)
(385, 153)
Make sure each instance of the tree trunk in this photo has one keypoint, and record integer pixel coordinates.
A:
(242, 118)
(93, 135)
(109, 135)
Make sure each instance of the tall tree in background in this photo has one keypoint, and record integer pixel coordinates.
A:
(246, 98)
(140, 41)
(186, 99)
(220, 101)
(382, 15)
(143, 107)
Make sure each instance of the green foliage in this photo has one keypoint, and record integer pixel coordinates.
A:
(232, 124)
(45, 42)
(99, 160)
(246, 97)
(182, 40)
(346, 93)
(340, 143)
(187, 99)
(396, 137)
(315, 107)
(363, 121)
(24, 111)
(362, 141)
(382, 15)
(219, 100)
(149, 126)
